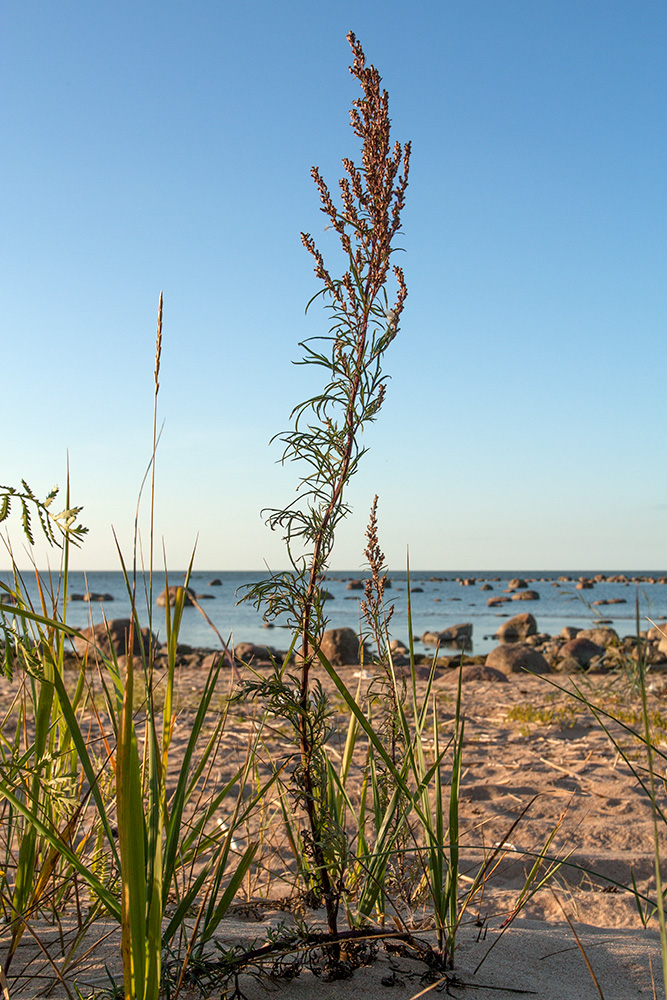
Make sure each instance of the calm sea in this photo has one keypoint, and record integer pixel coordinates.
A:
(438, 600)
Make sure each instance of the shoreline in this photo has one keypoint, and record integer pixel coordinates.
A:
(518, 645)
(436, 604)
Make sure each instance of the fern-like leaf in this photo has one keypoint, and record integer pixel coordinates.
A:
(25, 520)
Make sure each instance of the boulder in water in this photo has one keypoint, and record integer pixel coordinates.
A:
(170, 594)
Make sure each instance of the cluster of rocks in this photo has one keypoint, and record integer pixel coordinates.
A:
(340, 645)
(521, 646)
(169, 594)
(353, 583)
(612, 578)
(455, 633)
(484, 582)
(114, 635)
(517, 590)
(522, 595)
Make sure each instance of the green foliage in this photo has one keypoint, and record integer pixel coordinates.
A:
(55, 527)
(43, 801)
(169, 841)
(562, 716)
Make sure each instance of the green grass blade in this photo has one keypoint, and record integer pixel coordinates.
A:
(132, 842)
(109, 901)
(84, 757)
(227, 897)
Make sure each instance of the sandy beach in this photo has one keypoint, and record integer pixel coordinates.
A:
(534, 759)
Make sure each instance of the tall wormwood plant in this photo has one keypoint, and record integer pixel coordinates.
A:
(325, 439)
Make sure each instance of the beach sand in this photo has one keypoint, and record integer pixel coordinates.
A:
(531, 753)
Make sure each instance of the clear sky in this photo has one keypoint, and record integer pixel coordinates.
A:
(150, 146)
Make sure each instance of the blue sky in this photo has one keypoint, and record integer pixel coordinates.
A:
(168, 145)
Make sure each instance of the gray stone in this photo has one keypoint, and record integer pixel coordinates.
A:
(514, 658)
(418, 671)
(340, 646)
(455, 633)
(112, 635)
(658, 632)
(517, 628)
(600, 636)
(568, 665)
(170, 594)
(526, 595)
(475, 672)
(398, 647)
(581, 649)
(249, 652)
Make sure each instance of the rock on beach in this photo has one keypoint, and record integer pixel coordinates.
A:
(600, 636)
(581, 649)
(659, 634)
(340, 646)
(476, 673)
(513, 658)
(114, 635)
(250, 652)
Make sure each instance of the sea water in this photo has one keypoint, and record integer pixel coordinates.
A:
(438, 599)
